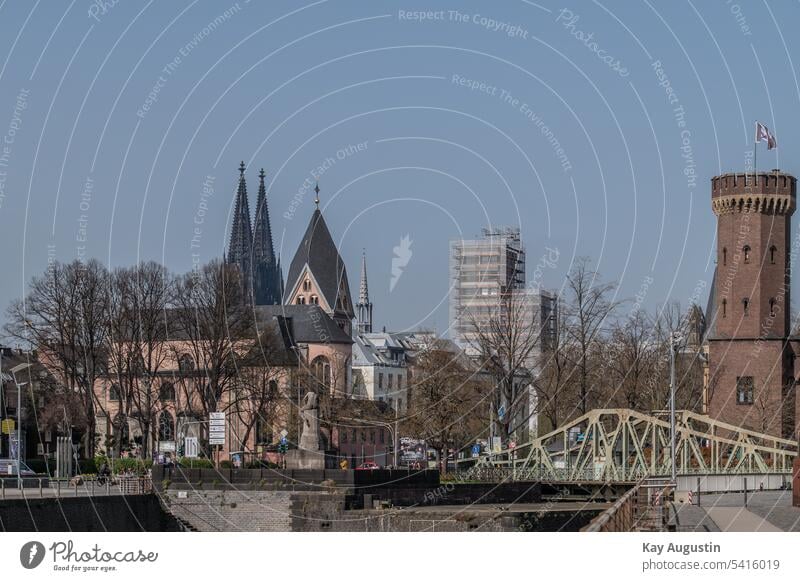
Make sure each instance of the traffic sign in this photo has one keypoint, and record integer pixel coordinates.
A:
(476, 450)
(216, 429)
(501, 413)
(216, 416)
(8, 426)
(216, 441)
(190, 447)
(284, 433)
(216, 422)
(512, 444)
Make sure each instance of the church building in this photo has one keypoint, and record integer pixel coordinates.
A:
(251, 248)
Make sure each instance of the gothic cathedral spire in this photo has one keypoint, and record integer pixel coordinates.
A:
(240, 248)
(268, 282)
(364, 307)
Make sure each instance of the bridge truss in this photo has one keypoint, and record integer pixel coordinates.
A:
(615, 445)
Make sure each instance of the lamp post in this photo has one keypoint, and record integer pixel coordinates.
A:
(14, 371)
(675, 340)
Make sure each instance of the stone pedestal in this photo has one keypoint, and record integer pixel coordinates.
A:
(796, 482)
(305, 459)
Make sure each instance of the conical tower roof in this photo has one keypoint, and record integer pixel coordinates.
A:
(318, 251)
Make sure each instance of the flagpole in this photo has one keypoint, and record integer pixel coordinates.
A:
(755, 158)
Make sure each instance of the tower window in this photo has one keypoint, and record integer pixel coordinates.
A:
(772, 307)
(724, 257)
(724, 308)
(746, 252)
(306, 285)
(744, 390)
(746, 306)
(772, 251)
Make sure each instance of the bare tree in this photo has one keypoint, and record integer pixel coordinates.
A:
(589, 310)
(64, 317)
(450, 404)
(212, 327)
(631, 355)
(138, 340)
(257, 396)
(507, 342)
(555, 383)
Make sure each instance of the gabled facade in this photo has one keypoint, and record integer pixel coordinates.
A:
(317, 275)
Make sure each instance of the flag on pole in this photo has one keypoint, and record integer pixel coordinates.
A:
(763, 134)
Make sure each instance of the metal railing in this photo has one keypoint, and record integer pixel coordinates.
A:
(639, 509)
(46, 487)
(622, 445)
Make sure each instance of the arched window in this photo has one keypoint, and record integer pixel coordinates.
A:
(772, 306)
(724, 308)
(301, 300)
(724, 257)
(138, 365)
(167, 392)
(186, 363)
(113, 392)
(746, 252)
(263, 430)
(314, 300)
(772, 251)
(306, 285)
(321, 368)
(746, 306)
(120, 428)
(166, 427)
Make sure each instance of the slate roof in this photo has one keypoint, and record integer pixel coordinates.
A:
(318, 250)
(301, 323)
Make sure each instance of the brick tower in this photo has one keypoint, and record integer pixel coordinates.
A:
(750, 355)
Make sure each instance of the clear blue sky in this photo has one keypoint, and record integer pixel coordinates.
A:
(553, 117)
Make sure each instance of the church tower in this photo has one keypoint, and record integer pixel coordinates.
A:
(750, 357)
(364, 307)
(317, 275)
(267, 278)
(240, 248)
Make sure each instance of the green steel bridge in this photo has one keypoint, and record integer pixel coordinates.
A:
(623, 445)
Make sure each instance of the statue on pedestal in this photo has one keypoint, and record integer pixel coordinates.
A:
(309, 411)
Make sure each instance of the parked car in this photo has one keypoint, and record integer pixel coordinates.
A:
(368, 465)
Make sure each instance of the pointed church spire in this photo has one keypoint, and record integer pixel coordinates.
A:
(363, 291)
(267, 275)
(241, 243)
(364, 307)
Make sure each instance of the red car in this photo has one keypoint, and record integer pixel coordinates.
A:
(369, 465)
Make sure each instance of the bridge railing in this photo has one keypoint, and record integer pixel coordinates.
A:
(621, 445)
(639, 509)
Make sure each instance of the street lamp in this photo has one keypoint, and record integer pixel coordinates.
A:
(674, 343)
(14, 371)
